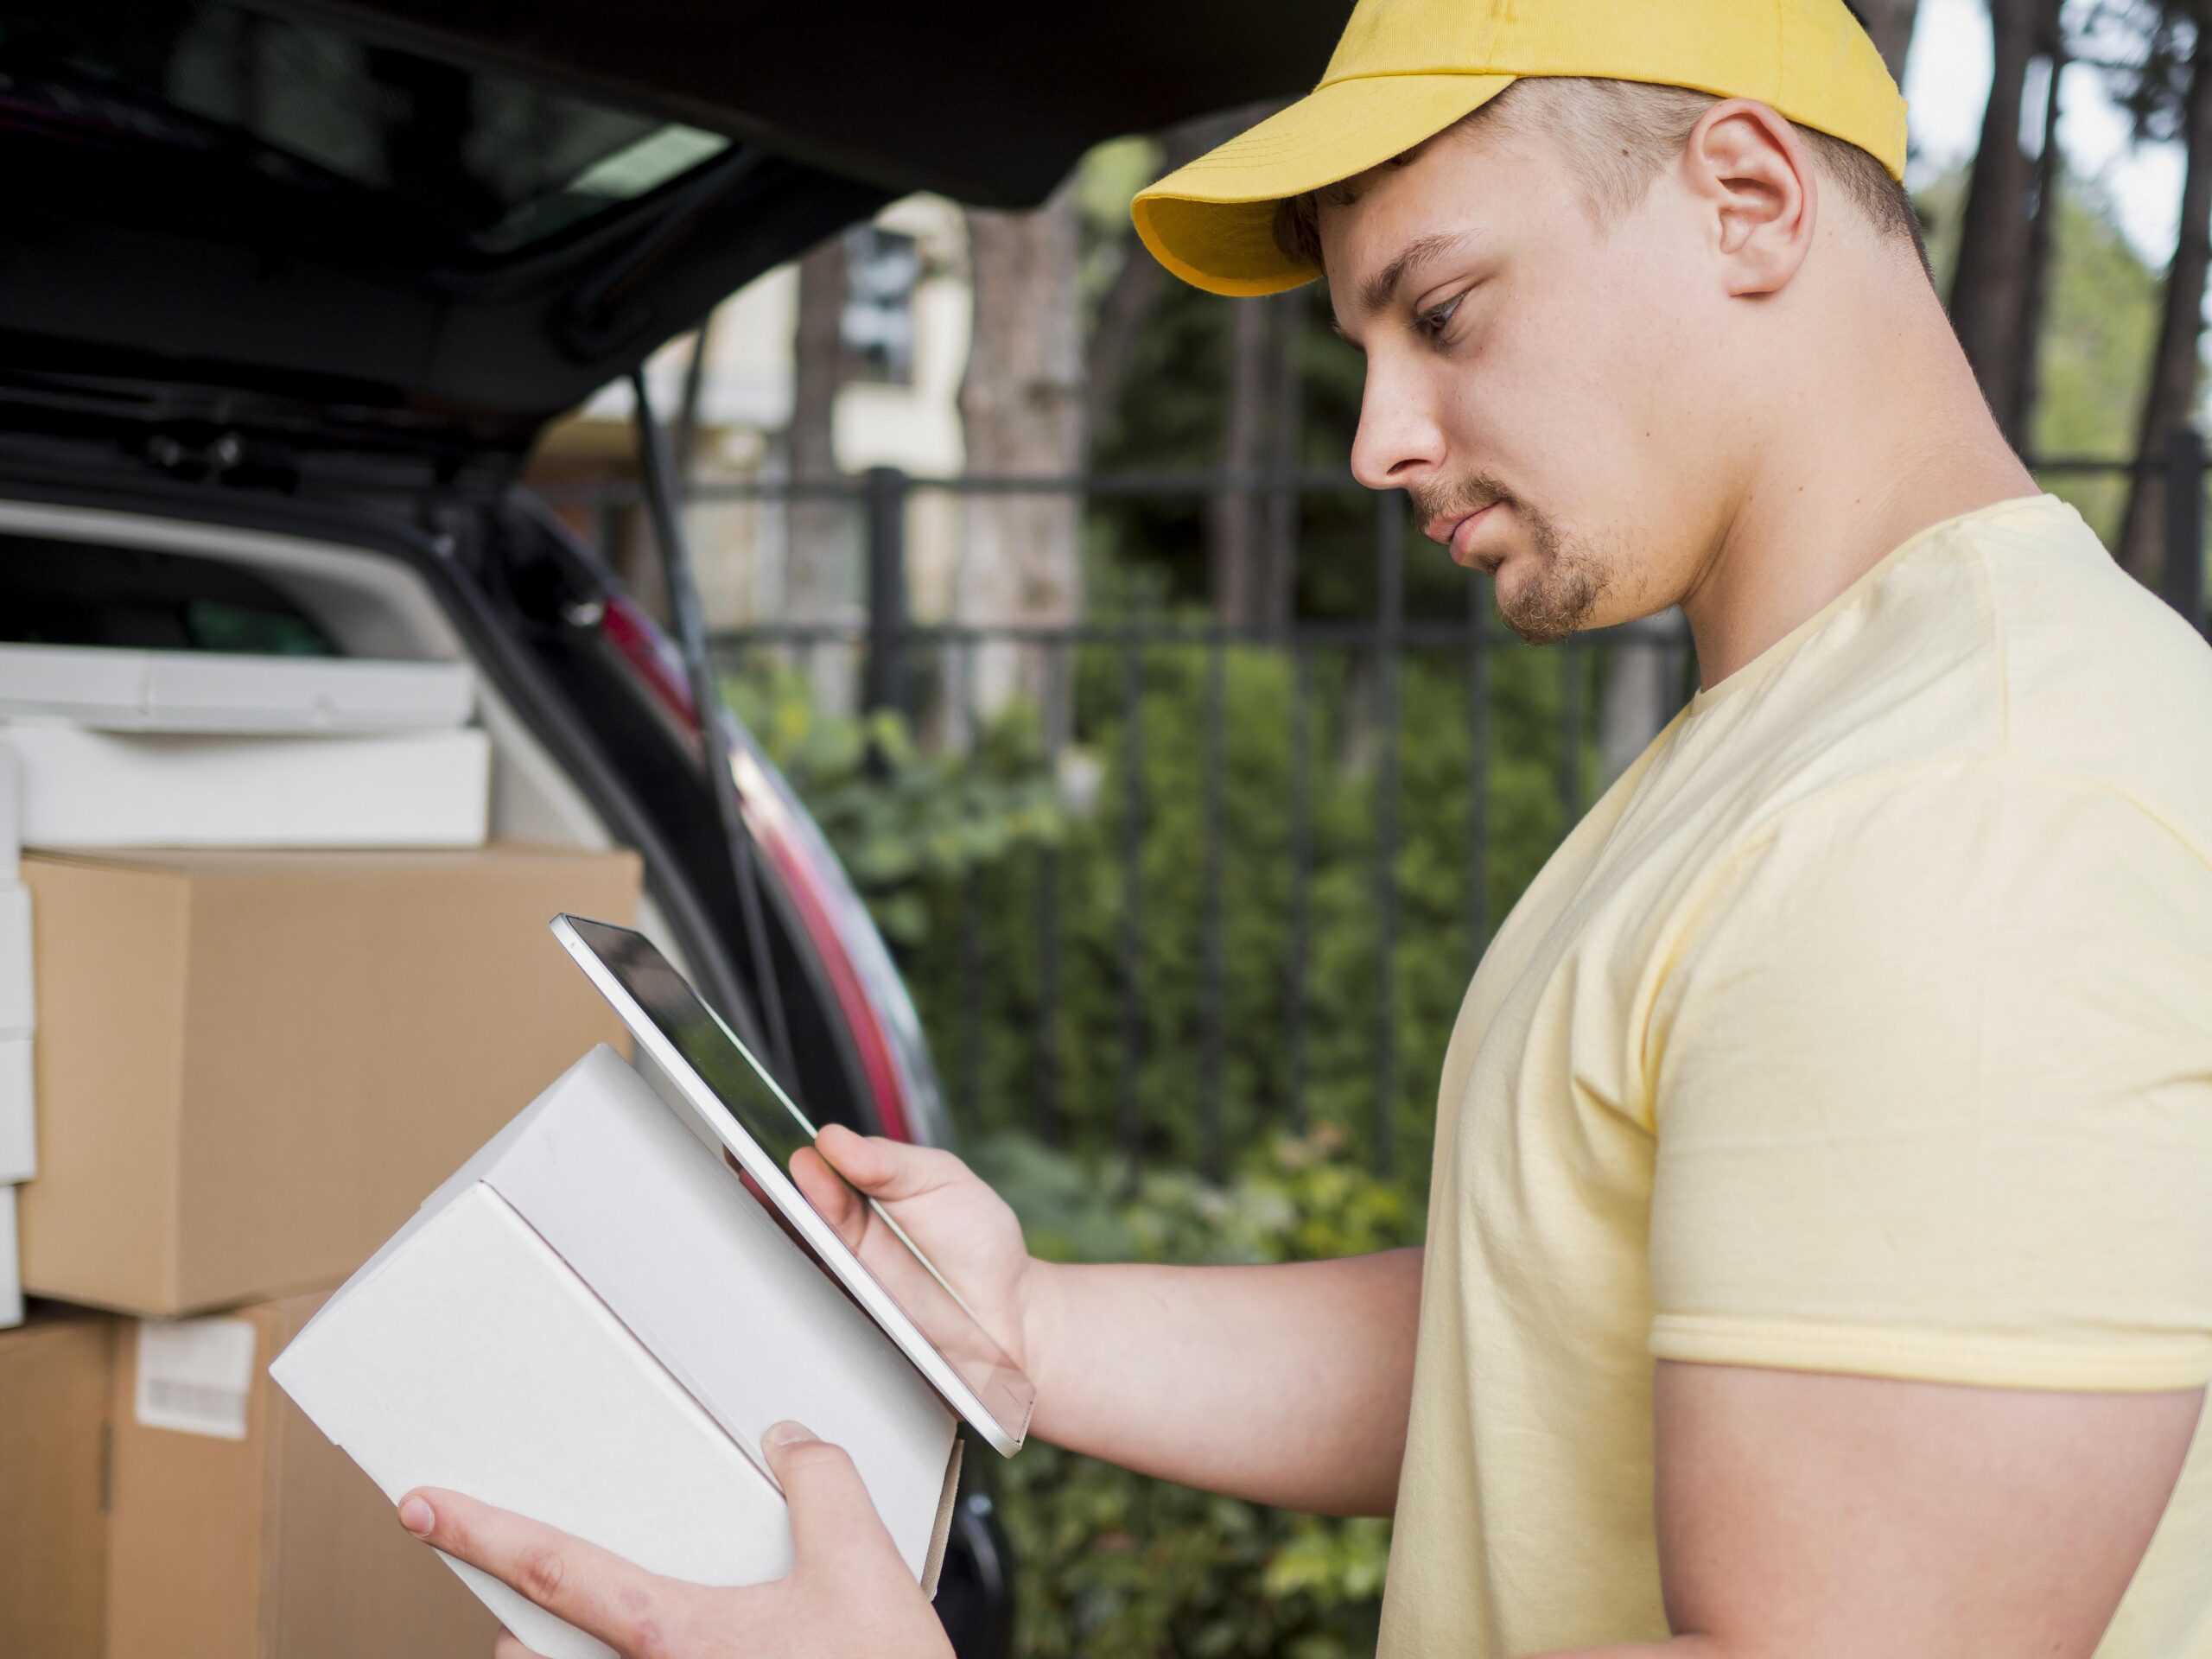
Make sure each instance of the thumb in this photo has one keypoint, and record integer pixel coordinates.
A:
(834, 1522)
(886, 1169)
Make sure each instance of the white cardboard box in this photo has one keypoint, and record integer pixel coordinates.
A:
(593, 1322)
(83, 788)
(18, 1122)
(11, 1280)
(18, 1139)
(11, 814)
(124, 690)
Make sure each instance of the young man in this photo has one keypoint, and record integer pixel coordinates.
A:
(1820, 1258)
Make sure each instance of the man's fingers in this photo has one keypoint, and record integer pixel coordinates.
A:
(507, 1648)
(597, 1591)
(884, 1169)
(834, 1522)
(836, 1203)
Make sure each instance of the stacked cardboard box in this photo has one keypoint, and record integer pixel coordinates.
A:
(251, 1063)
(19, 1158)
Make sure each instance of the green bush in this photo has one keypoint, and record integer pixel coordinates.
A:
(956, 853)
(1112, 1565)
(959, 857)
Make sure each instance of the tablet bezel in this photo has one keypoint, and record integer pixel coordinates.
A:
(829, 1249)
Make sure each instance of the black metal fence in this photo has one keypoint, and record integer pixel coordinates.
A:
(1226, 1058)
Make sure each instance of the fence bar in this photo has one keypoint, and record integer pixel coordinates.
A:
(1049, 1122)
(1479, 695)
(883, 680)
(971, 930)
(1211, 990)
(1128, 1114)
(1301, 869)
(1390, 605)
(1347, 636)
(2184, 493)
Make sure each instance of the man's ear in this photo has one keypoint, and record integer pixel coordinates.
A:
(1750, 171)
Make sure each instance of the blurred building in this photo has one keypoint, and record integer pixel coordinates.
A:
(902, 346)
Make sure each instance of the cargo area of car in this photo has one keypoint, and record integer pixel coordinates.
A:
(164, 583)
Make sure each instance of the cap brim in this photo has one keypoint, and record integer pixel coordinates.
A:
(1212, 222)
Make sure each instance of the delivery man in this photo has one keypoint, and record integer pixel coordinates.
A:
(1820, 1250)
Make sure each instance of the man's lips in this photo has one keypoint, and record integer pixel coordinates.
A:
(1458, 534)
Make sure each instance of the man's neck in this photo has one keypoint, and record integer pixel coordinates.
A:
(1859, 461)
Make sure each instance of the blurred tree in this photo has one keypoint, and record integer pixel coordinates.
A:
(1139, 280)
(1022, 412)
(2170, 97)
(818, 533)
(1994, 288)
(1890, 23)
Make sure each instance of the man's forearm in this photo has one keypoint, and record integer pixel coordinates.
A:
(1288, 1385)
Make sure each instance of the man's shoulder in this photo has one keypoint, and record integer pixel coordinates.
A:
(2010, 642)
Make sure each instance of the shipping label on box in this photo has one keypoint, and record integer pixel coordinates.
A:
(194, 1376)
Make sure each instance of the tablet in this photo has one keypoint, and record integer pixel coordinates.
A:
(734, 1099)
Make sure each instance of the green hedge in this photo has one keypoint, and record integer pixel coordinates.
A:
(952, 854)
(1112, 1565)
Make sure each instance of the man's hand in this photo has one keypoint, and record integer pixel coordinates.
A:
(1288, 1385)
(963, 1227)
(847, 1592)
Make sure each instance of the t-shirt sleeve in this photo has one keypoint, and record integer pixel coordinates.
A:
(1930, 1064)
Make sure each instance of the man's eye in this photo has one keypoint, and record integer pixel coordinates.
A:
(1433, 321)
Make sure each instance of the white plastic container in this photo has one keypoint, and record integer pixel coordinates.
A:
(86, 788)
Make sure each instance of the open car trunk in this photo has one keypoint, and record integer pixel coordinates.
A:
(438, 224)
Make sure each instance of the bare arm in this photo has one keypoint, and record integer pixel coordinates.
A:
(1814, 1516)
(1289, 1385)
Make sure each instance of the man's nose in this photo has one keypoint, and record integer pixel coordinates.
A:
(1399, 444)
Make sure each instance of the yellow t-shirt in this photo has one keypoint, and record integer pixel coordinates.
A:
(1864, 1025)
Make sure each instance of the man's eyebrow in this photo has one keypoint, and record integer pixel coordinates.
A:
(1379, 289)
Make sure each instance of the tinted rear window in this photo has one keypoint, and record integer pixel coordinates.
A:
(198, 98)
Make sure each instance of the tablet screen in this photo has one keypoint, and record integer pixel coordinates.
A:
(753, 1102)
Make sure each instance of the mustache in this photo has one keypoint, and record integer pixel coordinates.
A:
(1460, 497)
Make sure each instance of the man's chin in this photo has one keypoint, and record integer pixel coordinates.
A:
(1533, 611)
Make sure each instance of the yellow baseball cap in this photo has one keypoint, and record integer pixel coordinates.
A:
(1407, 69)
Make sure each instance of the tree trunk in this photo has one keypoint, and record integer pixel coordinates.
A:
(1990, 285)
(2172, 396)
(1137, 286)
(820, 535)
(2043, 232)
(1890, 24)
(1021, 410)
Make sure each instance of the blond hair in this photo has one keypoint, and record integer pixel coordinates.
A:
(1617, 135)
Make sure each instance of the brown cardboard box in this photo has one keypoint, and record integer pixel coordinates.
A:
(252, 1066)
(55, 1381)
(273, 1545)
